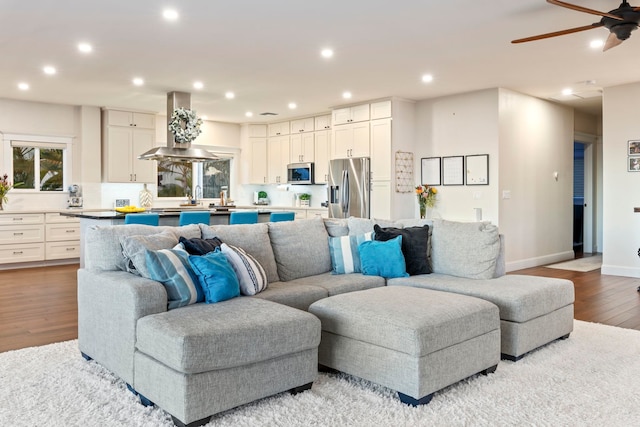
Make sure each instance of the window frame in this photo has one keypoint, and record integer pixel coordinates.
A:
(39, 141)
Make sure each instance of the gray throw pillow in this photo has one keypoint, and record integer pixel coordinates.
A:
(134, 249)
(464, 249)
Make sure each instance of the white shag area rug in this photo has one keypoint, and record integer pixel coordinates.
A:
(583, 265)
(590, 379)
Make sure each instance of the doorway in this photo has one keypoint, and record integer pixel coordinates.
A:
(578, 198)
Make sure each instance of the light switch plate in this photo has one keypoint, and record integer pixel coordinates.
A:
(120, 203)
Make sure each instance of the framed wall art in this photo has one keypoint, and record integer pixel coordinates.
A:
(477, 169)
(431, 171)
(633, 164)
(634, 148)
(453, 170)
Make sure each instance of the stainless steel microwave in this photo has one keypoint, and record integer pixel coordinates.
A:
(300, 173)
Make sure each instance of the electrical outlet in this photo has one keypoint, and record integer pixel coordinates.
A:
(506, 194)
(120, 203)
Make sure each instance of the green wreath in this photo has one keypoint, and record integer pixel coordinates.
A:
(185, 125)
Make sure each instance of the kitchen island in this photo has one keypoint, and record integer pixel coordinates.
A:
(167, 216)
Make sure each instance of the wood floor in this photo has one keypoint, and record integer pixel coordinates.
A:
(38, 305)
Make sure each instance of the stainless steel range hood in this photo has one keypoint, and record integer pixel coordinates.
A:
(175, 151)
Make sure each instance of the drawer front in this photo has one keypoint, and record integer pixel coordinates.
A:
(322, 213)
(23, 252)
(55, 217)
(17, 219)
(61, 232)
(21, 234)
(62, 250)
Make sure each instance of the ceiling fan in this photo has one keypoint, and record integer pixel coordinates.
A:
(620, 22)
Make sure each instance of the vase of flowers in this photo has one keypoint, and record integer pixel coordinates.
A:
(426, 198)
(5, 186)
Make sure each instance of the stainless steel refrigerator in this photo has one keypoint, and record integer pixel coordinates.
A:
(349, 187)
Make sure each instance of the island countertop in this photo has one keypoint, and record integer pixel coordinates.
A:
(162, 213)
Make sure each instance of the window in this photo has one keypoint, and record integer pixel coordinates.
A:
(38, 163)
(182, 179)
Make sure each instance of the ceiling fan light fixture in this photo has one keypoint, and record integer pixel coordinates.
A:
(596, 44)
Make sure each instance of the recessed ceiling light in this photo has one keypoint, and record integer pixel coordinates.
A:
(23, 86)
(596, 44)
(85, 47)
(170, 14)
(346, 95)
(293, 105)
(567, 91)
(248, 114)
(229, 95)
(326, 53)
(138, 81)
(204, 117)
(427, 78)
(198, 85)
(49, 70)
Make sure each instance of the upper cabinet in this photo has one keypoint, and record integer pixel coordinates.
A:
(322, 122)
(278, 155)
(380, 110)
(358, 113)
(279, 129)
(257, 131)
(123, 141)
(302, 125)
(302, 148)
(130, 119)
(351, 140)
(258, 174)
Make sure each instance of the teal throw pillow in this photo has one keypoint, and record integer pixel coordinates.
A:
(216, 276)
(171, 268)
(384, 259)
(345, 256)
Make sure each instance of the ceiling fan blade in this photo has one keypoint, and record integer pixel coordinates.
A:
(612, 41)
(584, 9)
(558, 33)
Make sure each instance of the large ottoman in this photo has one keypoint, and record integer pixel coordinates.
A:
(414, 341)
(199, 360)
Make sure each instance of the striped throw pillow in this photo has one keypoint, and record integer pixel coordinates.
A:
(345, 257)
(171, 268)
(251, 275)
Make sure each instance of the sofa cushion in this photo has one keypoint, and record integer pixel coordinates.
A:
(365, 225)
(171, 268)
(465, 249)
(336, 227)
(301, 248)
(293, 294)
(415, 241)
(340, 284)
(134, 250)
(198, 246)
(253, 238)
(251, 275)
(345, 256)
(236, 332)
(383, 258)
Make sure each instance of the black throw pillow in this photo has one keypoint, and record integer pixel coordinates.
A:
(197, 246)
(415, 241)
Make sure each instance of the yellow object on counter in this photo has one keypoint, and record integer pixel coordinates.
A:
(130, 209)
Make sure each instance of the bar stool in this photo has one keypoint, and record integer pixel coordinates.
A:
(194, 217)
(142, 218)
(248, 217)
(282, 216)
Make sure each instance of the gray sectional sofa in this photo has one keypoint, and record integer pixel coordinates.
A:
(202, 359)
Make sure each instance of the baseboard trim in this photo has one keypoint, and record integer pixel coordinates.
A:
(616, 270)
(538, 261)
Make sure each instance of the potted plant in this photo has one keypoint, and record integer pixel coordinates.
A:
(262, 198)
(305, 199)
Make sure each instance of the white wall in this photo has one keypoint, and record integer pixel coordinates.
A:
(461, 125)
(621, 226)
(536, 141)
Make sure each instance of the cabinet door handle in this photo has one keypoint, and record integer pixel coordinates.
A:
(17, 218)
(18, 252)
(135, 177)
(70, 231)
(70, 249)
(18, 234)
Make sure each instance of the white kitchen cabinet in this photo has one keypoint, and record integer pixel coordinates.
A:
(257, 131)
(302, 125)
(322, 122)
(302, 147)
(278, 155)
(121, 147)
(380, 110)
(321, 156)
(62, 237)
(279, 129)
(258, 173)
(322, 213)
(130, 119)
(358, 113)
(21, 237)
(381, 156)
(350, 140)
(380, 200)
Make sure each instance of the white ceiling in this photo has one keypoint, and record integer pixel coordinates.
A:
(268, 52)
